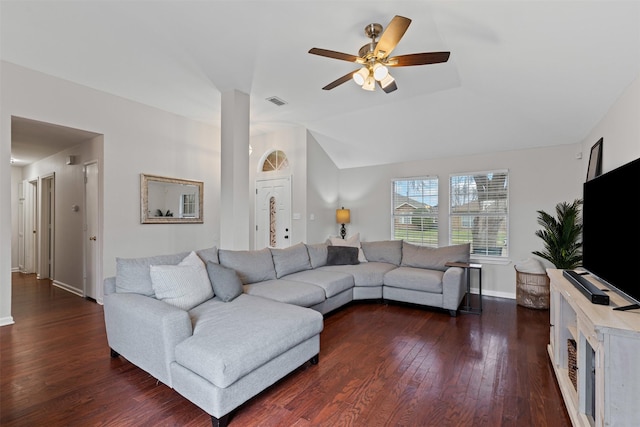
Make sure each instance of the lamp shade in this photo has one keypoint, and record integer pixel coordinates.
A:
(343, 216)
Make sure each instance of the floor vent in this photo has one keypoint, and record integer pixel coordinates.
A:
(276, 101)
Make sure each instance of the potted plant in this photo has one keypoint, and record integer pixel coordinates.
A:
(562, 235)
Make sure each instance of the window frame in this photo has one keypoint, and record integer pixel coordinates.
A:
(433, 216)
(472, 215)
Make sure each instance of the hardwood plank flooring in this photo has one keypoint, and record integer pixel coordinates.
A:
(380, 365)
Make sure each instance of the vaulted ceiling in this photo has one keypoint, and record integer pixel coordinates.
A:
(521, 74)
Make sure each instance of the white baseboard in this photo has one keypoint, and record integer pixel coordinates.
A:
(4, 321)
(498, 294)
(68, 288)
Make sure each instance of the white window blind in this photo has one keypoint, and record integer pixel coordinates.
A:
(414, 216)
(479, 212)
(188, 206)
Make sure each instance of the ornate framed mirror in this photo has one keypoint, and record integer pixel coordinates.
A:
(170, 200)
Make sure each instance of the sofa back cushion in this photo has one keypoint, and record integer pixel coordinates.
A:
(433, 258)
(209, 254)
(132, 274)
(317, 254)
(185, 285)
(389, 251)
(290, 260)
(251, 266)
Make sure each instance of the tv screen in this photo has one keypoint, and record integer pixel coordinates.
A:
(611, 229)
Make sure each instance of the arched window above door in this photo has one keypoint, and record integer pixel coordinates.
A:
(275, 161)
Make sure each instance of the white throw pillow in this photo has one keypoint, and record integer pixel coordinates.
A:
(530, 265)
(353, 241)
(185, 285)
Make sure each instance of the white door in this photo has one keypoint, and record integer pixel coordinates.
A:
(91, 231)
(46, 230)
(21, 225)
(273, 213)
(30, 226)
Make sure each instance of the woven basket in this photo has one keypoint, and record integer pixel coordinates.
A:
(532, 290)
(572, 365)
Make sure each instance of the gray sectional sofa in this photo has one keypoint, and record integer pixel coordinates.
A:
(220, 326)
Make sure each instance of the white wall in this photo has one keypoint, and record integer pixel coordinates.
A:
(322, 193)
(137, 139)
(620, 130)
(538, 179)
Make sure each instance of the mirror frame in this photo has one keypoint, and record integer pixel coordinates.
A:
(144, 200)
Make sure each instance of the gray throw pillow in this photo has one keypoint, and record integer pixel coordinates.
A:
(226, 284)
(290, 260)
(342, 255)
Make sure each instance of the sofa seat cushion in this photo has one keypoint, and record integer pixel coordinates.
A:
(333, 282)
(418, 279)
(287, 291)
(365, 274)
(233, 339)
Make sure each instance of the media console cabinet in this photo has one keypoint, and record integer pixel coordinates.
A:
(595, 353)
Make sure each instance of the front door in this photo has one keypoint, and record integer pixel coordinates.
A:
(273, 213)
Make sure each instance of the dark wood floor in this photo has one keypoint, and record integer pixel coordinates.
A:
(380, 365)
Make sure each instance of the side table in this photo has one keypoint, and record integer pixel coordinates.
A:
(467, 266)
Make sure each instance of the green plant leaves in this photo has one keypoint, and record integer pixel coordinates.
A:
(562, 235)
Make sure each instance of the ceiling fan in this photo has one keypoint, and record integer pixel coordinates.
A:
(374, 57)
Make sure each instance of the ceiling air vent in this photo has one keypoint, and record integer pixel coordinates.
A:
(276, 101)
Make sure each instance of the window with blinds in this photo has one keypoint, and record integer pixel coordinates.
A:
(188, 206)
(414, 216)
(479, 212)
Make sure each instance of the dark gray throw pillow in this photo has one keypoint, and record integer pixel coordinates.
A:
(225, 282)
(342, 255)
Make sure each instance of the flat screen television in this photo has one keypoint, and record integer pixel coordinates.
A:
(611, 229)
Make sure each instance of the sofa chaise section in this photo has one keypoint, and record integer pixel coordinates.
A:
(239, 348)
(218, 353)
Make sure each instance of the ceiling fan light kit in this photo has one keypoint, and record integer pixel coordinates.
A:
(375, 60)
(369, 83)
(360, 76)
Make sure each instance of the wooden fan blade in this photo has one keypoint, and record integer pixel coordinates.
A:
(339, 81)
(389, 88)
(418, 59)
(391, 36)
(333, 54)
